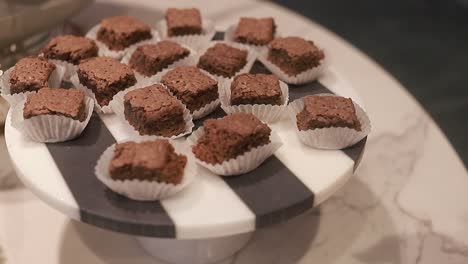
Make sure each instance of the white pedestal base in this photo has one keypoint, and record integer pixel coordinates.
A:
(197, 251)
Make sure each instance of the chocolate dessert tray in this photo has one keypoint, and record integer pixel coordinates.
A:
(213, 217)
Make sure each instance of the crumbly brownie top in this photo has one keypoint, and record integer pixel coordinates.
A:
(163, 49)
(57, 101)
(70, 48)
(124, 24)
(151, 99)
(255, 85)
(187, 79)
(296, 46)
(258, 31)
(223, 52)
(32, 71)
(329, 111)
(148, 154)
(189, 17)
(104, 71)
(222, 59)
(242, 124)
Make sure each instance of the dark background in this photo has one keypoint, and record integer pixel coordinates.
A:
(424, 44)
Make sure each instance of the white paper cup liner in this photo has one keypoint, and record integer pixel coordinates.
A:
(229, 36)
(190, 60)
(105, 51)
(145, 190)
(303, 77)
(117, 105)
(69, 68)
(242, 164)
(55, 81)
(107, 109)
(50, 128)
(334, 137)
(195, 41)
(4, 106)
(266, 113)
(205, 110)
(251, 57)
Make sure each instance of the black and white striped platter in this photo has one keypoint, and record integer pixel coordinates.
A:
(292, 181)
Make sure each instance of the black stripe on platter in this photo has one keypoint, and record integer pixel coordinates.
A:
(219, 35)
(98, 205)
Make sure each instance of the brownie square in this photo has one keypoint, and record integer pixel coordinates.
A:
(256, 31)
(191, 86)
(256, 89)
(105, 77)
(30, 74)
(154, 111)
(327, 111)
(150, 59)
(70, 48)
(64, 102)
(294, 55)
(119, 32)
(183, 22)
(223, 60)
(228, 137)
(147, 161)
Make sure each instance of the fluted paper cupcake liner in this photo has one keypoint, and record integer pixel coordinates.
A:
(334, 137)
(50, 128)
(242, 164)
(55, 81)
(251, 57)
(196, 41)
(69, 68)
(118, 107)
(205, 110)
(266, 113)
(229, 36)
(190, 60)
(102, 109)
(144, 190)
(301, 78)
(105, 51)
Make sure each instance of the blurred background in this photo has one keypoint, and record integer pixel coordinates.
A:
(422, 43)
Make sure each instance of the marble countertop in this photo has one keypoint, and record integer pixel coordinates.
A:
(406, 203)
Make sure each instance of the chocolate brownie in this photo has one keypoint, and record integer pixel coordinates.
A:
(294, 55)
(105, 77)
(147, 161)
(150, 59)
(256, 31)
(154, 111)
(256, 89)
(228, 137)
(30, 74)
(327, 111)
(70, 48)
(64, 102)
(183, 22)
(191, 86)
(119, 32)
(223, 60)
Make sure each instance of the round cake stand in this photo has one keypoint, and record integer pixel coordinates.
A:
(212, 218)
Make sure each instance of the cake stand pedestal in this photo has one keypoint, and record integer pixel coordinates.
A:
(197, 251)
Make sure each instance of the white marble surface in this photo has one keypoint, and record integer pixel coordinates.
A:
(406, 203)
